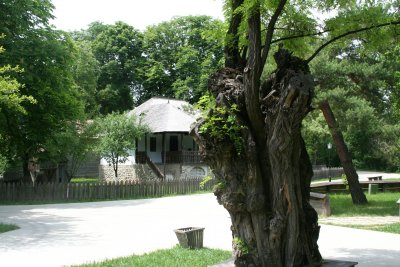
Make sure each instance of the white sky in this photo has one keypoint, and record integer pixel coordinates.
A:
(78, 14)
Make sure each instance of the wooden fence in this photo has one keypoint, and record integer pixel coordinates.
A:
(339, 187)
(327, 172)
(63, 192)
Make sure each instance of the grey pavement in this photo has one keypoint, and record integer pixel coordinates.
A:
(65, 234)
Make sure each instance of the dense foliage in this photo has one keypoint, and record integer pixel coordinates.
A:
(51, 79)
(362, 88)
(180, 56)
(46, 57)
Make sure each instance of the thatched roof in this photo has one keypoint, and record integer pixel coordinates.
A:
(165, 115)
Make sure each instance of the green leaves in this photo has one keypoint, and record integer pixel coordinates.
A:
(221, 125)
(118, 50)
(180, 55)
(117, 135)
(11, 99)
(86, 71)
(48, 97)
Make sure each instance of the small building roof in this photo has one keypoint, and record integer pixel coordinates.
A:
(166, 115)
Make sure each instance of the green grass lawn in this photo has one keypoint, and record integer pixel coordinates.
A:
(381, 204)
(84, 180)
(326, 179)
(176, 256)
(7, 227)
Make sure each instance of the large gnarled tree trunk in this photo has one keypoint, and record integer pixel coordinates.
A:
(265, 183)
(253, 143)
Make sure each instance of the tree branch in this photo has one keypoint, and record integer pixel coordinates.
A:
(270, 31)
(233, 58)
(252, 74)
(349, 33)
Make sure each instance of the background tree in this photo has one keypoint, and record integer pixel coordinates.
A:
(118, 49)
(361, 88)
(265, 184)
(46, 55)
(180, 56)
(10, 101)
(86, 71)
(117, 135)
(71, 146)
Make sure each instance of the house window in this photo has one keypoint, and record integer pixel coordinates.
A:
(153, 144)
(173, 143)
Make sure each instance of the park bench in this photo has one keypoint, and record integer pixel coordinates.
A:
(375, 178)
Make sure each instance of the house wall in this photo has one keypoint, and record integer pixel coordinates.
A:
(141, 172)
(129, 161)
(192, 170)
(154, 156)
(185, 142)
(132, 172)
(178, 171)
(88, 168)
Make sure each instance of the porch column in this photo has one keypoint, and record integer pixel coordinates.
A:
(163, 152)
(145, 143)
(180, 153)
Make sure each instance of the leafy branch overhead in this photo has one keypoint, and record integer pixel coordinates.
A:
(306, 27)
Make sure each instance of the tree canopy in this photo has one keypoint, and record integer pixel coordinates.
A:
(118, 49)
(117, 135)
(46, 57)
(360, 85)
(180, 56)
(352, 47)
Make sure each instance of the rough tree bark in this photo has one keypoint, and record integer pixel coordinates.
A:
(356, 192)
(264, 184)
(252, 141)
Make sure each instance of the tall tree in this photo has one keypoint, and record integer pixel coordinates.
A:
(360, 86)
(358, 121)
(119, 50)
(263, 169)
(46, 56)
(357, 194)
(180, 56)
(71, 146)
(11, 101)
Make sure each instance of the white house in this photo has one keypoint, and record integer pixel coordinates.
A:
(168, 151)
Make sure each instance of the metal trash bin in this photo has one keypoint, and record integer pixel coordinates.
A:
(190, 237)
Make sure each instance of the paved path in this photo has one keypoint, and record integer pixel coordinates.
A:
(363, 175)
(65, 234)
(360, 220)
